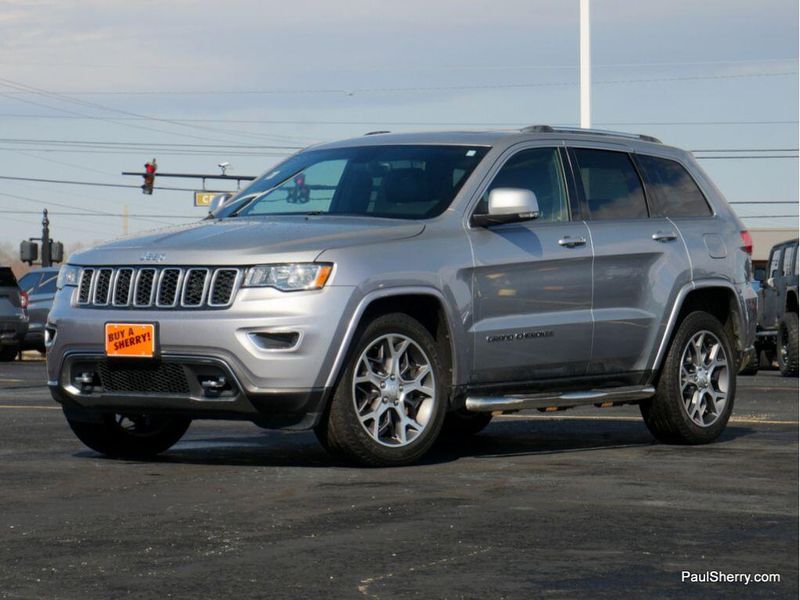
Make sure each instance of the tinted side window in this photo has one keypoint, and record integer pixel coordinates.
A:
(611, 185)
(538, 170)
(788, 260)
(775, 261)
(674, 192)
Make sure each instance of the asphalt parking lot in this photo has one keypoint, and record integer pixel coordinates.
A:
(581, 504)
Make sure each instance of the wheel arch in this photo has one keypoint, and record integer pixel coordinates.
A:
(427, 305)
(717, 297)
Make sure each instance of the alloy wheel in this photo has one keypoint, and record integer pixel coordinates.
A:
(704, 378)
(394, 390)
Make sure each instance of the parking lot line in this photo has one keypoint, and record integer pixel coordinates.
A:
(28, 407)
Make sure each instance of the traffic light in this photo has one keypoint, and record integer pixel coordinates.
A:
(29, 252)
(149, 176)
(56, 252)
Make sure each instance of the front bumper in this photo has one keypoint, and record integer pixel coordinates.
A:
(90, 384)
(273, 387)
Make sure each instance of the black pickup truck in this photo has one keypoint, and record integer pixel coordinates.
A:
(777, 332)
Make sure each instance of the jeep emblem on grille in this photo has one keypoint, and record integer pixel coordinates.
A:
(153, 257)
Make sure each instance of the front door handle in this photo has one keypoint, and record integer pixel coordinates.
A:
(665, 236)
(571, 242)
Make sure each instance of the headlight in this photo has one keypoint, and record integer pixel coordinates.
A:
(68, 276)
(288, 278)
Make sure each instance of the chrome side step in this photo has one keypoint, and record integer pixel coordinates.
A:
(560, 400)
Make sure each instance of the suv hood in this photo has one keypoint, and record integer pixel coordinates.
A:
(245, 241)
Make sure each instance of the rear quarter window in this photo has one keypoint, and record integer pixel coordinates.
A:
(673, 191)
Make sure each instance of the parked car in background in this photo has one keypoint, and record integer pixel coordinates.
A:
(13, 315)
(777, 330)
(40, 285)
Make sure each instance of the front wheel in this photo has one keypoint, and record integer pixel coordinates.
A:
(389, 405)
(697, 384)
(130, 436)
(787, 345)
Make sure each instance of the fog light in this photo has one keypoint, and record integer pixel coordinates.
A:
(49, 336)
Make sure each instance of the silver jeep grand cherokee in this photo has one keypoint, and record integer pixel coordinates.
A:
(388, 289)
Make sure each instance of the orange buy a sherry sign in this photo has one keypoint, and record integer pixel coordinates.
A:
(131, 339)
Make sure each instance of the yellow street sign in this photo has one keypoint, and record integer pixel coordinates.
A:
(204, 198)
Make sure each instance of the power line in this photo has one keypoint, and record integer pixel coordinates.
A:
(27, 89)
(729, 157)
(404, 123)
(373, 90)
(146, 145)
(415, 67)
(87, 211)
(749, 150)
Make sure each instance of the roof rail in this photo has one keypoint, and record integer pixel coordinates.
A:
(376, 132)
(551, 129)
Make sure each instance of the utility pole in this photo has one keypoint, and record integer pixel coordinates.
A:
(46, 262)
(585, 66)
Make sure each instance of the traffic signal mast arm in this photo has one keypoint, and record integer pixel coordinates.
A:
(149, 176)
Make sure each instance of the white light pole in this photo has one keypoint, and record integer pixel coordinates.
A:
(586, 67)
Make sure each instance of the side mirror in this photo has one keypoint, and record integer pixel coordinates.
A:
(770, 283)
(509, 205)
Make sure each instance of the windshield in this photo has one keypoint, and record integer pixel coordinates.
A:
(401, 182)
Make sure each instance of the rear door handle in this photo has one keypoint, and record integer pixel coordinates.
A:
(665, 236)
(571, 242)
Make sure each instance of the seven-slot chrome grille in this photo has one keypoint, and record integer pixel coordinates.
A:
(158, 287)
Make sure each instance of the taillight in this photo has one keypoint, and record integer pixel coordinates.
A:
(747, 242)
(23, 299)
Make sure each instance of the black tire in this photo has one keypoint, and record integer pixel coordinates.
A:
(666, 415)
(8, 353)
(787, 345)
(463, 423)
(341, 430)
(146, 437)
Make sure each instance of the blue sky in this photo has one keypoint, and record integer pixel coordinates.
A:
(710, 75)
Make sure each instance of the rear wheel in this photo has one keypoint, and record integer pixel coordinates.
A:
(787, 345)
(697, 384)
(389, 405)
(130, 436)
